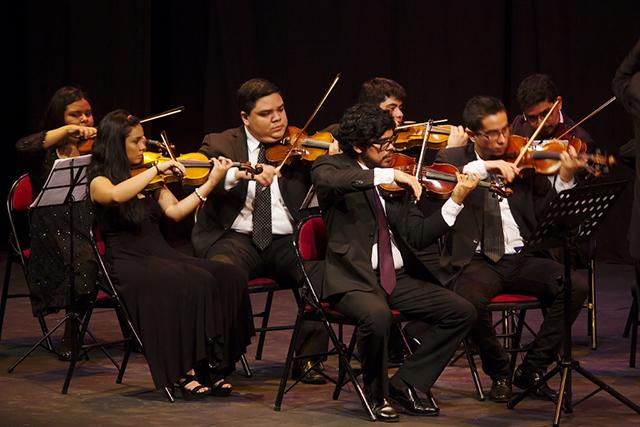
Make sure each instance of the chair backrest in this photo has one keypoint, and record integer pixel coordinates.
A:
(310, 243)
(19, 199)
(311, 238)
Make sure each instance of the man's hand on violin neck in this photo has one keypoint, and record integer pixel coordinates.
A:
(266, 177)
(466, 184)
(406, 180)
(507, 170)
(570, 163)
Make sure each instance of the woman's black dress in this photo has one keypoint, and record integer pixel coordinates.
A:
(48, 267)
(186, 309)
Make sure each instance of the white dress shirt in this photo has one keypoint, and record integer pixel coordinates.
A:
(281, 219)
(449, 210)
(513, 241)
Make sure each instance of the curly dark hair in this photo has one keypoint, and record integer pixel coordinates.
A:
(377, 89)
(109, 157)
(479, 107)
(252, 90)
(534, 89)
(361, 126)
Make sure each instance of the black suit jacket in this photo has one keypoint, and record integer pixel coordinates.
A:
(626, 86)
(345, 193)
(220, 211)
(531, 194)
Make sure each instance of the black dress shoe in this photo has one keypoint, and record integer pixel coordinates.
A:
(384, 412)
(525, 378)
(406, 396)
(312, 376)
(500, 390)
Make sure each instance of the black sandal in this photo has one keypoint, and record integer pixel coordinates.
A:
(218, 388)
(195, 392)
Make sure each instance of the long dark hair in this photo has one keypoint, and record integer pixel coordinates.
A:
(109, 157)
(54, 114)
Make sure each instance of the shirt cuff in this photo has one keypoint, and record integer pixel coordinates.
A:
(476, 166)
(450, 211)
(230, 179)
(382, 176)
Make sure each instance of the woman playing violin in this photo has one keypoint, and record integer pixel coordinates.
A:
(67, 120)
(192, 314)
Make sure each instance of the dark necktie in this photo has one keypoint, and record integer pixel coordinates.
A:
(386, 268)
(262, 210)
(493, 237)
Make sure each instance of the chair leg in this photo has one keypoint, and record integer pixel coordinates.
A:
(474, 370)
(288, 362)
(634, 333)
(342, 370)
(517, 337)
(38, 343)
(245, 366)
(169, 395)
(265, 322)
(592, 327)
(5, 292)
(125, 361)
(627, 326)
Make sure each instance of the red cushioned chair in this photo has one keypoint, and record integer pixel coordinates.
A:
(513, 308)
(19, 199)
(310, 244)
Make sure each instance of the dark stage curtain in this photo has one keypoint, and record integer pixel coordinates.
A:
(148, 56)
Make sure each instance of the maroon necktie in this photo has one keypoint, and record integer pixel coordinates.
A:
(386, 268)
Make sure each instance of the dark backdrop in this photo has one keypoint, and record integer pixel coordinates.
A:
(148, 56)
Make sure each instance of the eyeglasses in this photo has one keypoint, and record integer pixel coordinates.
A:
(537, 118)
(495, 134)
(384, 144)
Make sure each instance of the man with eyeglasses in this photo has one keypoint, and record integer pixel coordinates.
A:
(482, 251)
(371, 263)
(536, 95)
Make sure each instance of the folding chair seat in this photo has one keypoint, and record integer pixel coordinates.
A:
(513, 309)
(310, 244)
(19, 199)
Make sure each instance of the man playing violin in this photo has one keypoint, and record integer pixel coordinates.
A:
(251, 225)
(482, 251)
(371, 264)
(536, 95)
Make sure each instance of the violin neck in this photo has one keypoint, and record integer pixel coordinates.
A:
(314, 143)
(195, 163)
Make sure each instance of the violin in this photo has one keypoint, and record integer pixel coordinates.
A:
(544, 158)
(197, 167)
(297, 145)
(438, 179)
(410, 136)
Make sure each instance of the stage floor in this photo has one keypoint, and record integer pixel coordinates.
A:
(31, 394)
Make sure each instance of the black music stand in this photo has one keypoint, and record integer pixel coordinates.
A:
(65, 185)
(572, 216)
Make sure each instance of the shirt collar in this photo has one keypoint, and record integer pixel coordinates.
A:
(252, 142)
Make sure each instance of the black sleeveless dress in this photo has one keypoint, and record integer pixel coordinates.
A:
(186, 309)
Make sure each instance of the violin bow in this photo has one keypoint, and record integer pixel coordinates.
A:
(535, 134)
(593, 113)
(167, 146)
(170, 112)
(427, 130)
(313, 115)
